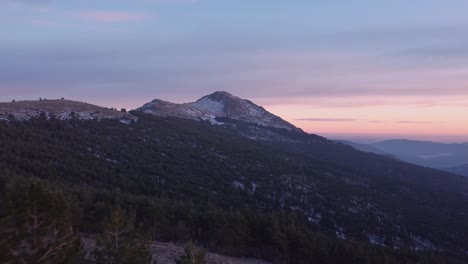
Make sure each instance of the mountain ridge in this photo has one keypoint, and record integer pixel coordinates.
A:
(426, 153)
(61, 109)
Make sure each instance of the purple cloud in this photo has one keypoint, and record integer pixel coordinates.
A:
(111, 16)
(418, 122)
(327, 119)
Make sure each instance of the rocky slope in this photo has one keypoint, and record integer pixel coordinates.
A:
(218, 105)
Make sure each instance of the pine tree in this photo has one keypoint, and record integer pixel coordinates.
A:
(120, 243)
(193, 255)
(36, 225)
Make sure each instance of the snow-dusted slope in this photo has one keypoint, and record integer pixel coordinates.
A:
(60, 109)
(162, 108)
(218, 104)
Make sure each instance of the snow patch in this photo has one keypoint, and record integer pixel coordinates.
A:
(210, 106)
(421, 243)
(125, 121)
(340, 233)
(376, 240)
(254, 186)
(315, 218)
(238, 185)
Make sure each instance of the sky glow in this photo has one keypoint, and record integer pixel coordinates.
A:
(396, 68)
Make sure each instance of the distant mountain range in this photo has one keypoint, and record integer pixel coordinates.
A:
(228, 153)
(366, 148)
(443, 156)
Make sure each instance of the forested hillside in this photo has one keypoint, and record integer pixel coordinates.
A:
(240, 195)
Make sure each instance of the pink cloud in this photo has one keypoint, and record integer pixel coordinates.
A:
(111, 16)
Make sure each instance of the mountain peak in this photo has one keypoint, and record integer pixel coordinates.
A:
(219, 96)
(157, 101)
(218, 104)
(220, 93)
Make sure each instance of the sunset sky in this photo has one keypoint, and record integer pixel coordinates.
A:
(339, 68)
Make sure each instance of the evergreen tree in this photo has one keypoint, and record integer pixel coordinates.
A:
(36, 225)
(193, 255)
(120, 243)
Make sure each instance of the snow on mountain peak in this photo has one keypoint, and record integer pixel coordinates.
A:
(218, 104)
(209, 105)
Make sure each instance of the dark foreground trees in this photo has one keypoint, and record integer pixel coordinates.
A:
(120, 243)
(36, 225)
